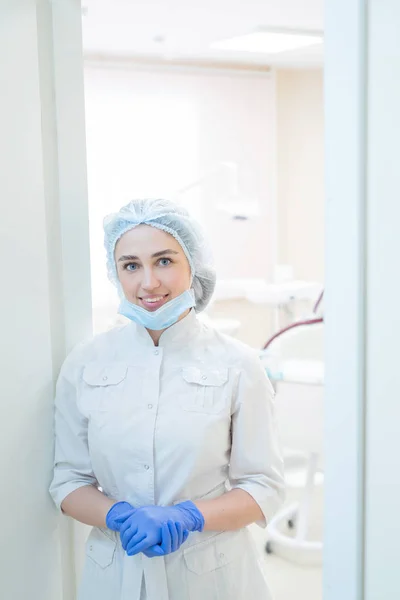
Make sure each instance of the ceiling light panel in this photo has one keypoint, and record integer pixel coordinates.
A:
(269, 42)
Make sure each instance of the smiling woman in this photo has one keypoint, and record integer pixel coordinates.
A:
(151, 278)
(149, 274)
(173, 421)
(142, 232)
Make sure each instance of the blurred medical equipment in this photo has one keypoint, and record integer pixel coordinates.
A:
(233, 203)
(283, 296)
(223, 325)
(261, 291)
(293, 359)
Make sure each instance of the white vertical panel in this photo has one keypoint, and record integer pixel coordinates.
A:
(32, 568)
(345, 102)
(382, 572)
(72, 177)
(45, 298)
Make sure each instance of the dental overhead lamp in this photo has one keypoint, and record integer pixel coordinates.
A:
(233, 204)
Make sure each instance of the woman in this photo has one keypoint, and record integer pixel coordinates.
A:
(174, 423)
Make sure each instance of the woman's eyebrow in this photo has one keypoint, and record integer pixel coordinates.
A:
(162, 252)
(155, 255)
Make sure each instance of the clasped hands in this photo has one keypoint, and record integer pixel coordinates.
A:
(154, 530)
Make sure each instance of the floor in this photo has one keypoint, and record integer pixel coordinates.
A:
(287, 580)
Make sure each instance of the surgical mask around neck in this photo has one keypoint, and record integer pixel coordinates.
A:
(163, 317)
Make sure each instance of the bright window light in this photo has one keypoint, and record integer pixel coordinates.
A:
(270, 42)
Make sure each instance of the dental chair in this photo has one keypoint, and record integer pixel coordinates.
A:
(293, 359)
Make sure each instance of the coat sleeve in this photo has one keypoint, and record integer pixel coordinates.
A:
(72, 464)
(256, 463)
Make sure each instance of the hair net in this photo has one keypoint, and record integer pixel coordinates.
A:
(175, 220)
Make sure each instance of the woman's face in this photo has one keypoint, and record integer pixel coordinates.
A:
(152, 267)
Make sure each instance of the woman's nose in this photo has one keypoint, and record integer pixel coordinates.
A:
(149, 281)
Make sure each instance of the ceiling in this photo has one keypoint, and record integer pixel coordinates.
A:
(182, 30)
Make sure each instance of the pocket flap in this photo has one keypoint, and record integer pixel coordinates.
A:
(212, 554)
(100, 547)
(206, 377)
(103, 375)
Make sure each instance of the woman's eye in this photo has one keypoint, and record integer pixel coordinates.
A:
(164, 262)
(130, 267)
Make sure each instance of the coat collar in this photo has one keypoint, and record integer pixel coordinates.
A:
(179, 332)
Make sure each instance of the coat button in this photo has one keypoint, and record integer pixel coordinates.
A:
(156, 352)
(149, 406)
(90, 548)
(105, 378)
(146, 467)
(204, 376)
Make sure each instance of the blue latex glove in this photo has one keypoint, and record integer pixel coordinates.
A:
(118, 509)
(173, 535)
(143, 528)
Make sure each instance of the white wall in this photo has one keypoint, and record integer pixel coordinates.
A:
(300, 171)
(344, 301)
(362, 322)
(150, 133)
(41, 271)
(382, 483)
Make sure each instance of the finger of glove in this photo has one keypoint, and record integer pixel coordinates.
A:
(159, 549)
(144, 538)
(185, 535)
(182, 535)
(123, 516)
(130, 523)
(175, 535)
(138, 537)
(135, 547)
(153, 551)
(167, 534)
(128, 533)
(179, 531)
(129, 529)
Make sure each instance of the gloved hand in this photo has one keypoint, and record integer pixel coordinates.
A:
(142, 529)
(173, 535)
(118, 509)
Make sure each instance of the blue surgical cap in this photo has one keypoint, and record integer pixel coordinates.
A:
(175, 220)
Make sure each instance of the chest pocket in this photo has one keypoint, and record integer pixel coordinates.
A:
(103, 387)
(205, 390)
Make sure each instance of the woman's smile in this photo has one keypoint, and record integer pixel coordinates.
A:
(152, 303)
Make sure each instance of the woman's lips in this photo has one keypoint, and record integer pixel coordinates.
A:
(152, 303)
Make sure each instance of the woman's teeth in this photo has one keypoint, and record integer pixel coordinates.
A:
(154, 299)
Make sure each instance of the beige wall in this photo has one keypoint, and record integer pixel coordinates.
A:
(300, 171)
(300, 194)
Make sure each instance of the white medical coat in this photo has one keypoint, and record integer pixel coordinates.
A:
(185, 420)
